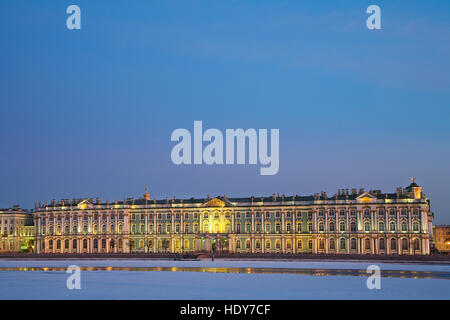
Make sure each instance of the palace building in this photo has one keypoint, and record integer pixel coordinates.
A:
(16, 230)
(349, 222)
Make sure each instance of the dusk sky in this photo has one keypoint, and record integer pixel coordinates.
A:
(90, 112)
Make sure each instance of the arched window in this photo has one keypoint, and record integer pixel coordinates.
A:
(353, 226)
(58, 244)
(404, 244)
(277, 244)
(103, 243)
(85, 244)
(258, 227)
(258, 244)
(247, 227)
(299, 244)
(267, 244)
(150, 227)
(238, 227)
(321, 226)
(404, 226)
(393, 244)
(169, 228)
(353, 244)
(289, 244)
(177, 228)
(277, 227)
(332, 244)
(342, 243)
(367, 244)
(247, 244)
(342, 226)
(392, 226)
(74, 243)
(332, 226)
(416, 244)
(310, 244)
(415, 226)
(95, 244)
(382, 244)
(381, 226)
(366, 226)
(186, 227)
(299, 227)
(321, 244)
(238, 244)
(267, 227)
(288, 227)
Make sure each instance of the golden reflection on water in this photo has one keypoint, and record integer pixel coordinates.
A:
(312, 272)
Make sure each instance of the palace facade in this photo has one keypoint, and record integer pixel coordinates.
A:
(16, 230)
(349, 222)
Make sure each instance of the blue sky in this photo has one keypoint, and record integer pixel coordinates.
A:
(89, 112)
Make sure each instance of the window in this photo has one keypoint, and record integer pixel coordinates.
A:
(247, 244)
(353, 226)
(332, 244)
(238, 244)
(366, 226)
(415, 226)
(309, 227)
(342, 213)
(278, 214)
(392, 226)
(267, 227)
(267, 244)
(247, 227)
(238, 227)
(404, 244)
(382, 244)
(353, 244)
(168, 228)
(416, 244)
(342, 244)
(393, 244)
(288, 244)
(381, 226)
(277, 227)
(321, 227)
(288, 214)
(299, 244)
(299, 227)
(186, 228)
(332, 229)
(367, 244)
(342, 226)
(310, 244)
(258, 244)
(277, 244)
(321, 213)
(288, 227)
(404, 226)
(258, 227)
(267, 215)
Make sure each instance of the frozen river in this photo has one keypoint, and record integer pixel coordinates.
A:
(221, 279)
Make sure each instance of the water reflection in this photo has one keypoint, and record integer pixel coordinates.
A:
(311, 272)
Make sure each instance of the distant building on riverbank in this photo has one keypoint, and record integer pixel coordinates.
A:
(349, 222)
(441, 237)
(16, 230)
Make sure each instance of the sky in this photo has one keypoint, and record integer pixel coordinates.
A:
(90, 112)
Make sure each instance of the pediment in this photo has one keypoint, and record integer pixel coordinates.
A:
(366, 198)
(215, 202)
(85, 204)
